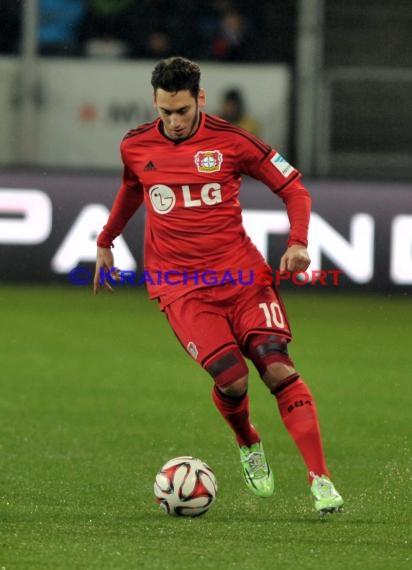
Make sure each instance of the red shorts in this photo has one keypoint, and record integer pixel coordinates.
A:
(208, 319)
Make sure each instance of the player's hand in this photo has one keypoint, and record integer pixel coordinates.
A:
(104, 263)
(295, 258)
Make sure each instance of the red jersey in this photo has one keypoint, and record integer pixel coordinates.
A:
(191, 188)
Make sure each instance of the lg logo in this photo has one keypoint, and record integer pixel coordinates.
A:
(163, 198)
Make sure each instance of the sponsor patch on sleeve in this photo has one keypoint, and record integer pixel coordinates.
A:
(282, 165)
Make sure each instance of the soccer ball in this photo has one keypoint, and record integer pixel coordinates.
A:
(185, 486)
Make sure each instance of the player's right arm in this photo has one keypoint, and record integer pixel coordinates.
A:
(127, 201)
(104, 264)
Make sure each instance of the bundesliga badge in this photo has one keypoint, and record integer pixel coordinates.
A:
(208, 160)
(192, 349)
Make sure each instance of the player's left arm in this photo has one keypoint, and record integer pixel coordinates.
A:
(267, 165)
(298, 205)
(295, 258)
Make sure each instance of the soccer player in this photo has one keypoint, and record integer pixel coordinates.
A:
(186, 166)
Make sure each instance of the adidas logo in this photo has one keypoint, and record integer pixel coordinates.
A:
(150, 166)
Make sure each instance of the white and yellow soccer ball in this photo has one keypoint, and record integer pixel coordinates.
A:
(185, 486)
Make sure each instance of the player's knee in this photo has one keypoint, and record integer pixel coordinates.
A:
(276, 373)
(237, 388)
(229, 371)
(269, 353)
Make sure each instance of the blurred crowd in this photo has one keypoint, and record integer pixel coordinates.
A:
(225, 30)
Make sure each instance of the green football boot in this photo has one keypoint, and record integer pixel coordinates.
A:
(256, 471)
(327, 499)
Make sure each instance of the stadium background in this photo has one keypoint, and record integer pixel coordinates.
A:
(85, 400)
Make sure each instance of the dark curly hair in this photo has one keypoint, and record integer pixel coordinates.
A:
(177, 74)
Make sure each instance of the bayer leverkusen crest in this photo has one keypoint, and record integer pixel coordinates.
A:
(208, 160)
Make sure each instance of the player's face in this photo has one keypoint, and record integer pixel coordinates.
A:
(179, 112)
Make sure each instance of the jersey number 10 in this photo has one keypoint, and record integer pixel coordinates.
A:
(273, 314)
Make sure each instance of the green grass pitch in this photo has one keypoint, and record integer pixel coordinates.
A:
(96, 394)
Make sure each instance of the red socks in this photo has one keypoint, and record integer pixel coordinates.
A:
(235, 411)
(299, 415)
(298, 412)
